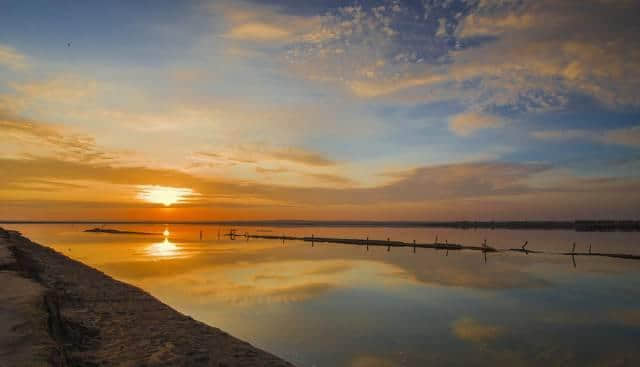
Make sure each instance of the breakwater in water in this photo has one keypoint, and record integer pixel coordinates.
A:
(388, 243)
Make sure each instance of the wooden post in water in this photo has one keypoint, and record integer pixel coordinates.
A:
(200, 235)
(414, 246)
(367, 243)
(312, 240)
(589, 249)
(388, 244)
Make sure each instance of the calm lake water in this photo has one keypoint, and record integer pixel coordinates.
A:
(341, 305)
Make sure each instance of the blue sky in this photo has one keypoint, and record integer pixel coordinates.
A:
(479, 109)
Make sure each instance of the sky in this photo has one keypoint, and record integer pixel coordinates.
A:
(338, 110)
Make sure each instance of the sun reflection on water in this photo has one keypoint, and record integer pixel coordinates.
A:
(165, 249)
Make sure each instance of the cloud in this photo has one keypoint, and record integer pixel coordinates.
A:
(478, 190)
(263, 23)
(478, 25)
(12, 59)
(262, 153)
(61, 89)
(561, 135)
(52, 168)
(568, 45)
(471, 330)
(41, 185)
(524, 55)
(629, 136)
(357, 45)
(445, 181)
(384, 87)
(466, 124)
(291, 161)
(331, 178)
(61, 141)
(271, 170)
(448, 181)
(302, 156)
(259, 32)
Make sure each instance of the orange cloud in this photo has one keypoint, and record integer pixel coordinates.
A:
(58, 140)
(265, 23)
(466, 124)
(259, 32)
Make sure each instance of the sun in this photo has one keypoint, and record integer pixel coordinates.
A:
(164, 195)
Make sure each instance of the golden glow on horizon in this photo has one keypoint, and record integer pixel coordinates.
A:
(166, 232)
(164, 195)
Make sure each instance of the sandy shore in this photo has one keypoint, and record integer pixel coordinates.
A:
(55, 311)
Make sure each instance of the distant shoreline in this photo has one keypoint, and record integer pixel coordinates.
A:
(577, 225)
(117, 231)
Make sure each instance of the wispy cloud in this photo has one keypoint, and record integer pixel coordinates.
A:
(298, 155)
(261, 153)
(59, 140)
(259, 32)
(466, 188)
(624, 136)
(446, 181)
(264, 23)
(467, 123)
(13, 59)
(65, 89)
(331, 178)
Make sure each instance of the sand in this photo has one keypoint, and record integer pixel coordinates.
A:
(55, 311)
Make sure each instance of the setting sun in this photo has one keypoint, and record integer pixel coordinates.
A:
(164, 195)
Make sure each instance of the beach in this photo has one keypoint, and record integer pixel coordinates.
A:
(56, 311)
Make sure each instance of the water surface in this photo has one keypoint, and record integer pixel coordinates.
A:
(342, 305)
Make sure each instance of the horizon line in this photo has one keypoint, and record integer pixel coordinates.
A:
(577, 225)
